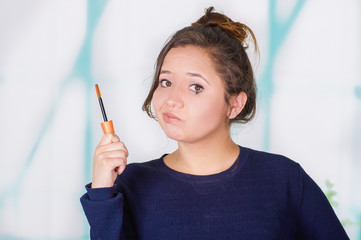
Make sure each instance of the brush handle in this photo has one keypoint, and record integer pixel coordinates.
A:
(107, 127)
(103, 109)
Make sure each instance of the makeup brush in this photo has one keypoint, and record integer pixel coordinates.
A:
(107, 126)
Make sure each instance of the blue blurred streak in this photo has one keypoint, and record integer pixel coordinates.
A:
(278, 31)
(82, 71)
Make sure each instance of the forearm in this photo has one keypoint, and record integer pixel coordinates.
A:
(104, 210)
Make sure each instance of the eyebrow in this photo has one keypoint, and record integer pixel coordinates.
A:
(190, 74)
(198, 75)
(165, 71)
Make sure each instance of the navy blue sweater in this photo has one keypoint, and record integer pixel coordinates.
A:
(262, 196)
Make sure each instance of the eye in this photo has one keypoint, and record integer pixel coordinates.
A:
(165, 83)
(196, 88)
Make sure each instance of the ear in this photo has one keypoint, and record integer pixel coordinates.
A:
(237, 103)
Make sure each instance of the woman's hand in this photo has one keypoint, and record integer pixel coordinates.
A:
(110, 159)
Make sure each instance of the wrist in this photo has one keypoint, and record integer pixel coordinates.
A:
(100, 194)
(101, 184)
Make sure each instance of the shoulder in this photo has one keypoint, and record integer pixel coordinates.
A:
(276, 176)
(271, 165)
(272, 160)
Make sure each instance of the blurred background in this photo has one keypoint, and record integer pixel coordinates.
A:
(53, 52)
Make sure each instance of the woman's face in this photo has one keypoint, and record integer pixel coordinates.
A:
(189, 101)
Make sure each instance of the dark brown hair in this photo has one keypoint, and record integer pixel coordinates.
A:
(225, 42)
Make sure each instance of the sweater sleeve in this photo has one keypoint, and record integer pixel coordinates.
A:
(317, 218)
(104, 209)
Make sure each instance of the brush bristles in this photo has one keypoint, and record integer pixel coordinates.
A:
(97, 90)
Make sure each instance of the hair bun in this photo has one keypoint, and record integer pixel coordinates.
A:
(237, 30)
(210, 18)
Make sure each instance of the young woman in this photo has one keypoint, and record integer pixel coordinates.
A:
(209, 188)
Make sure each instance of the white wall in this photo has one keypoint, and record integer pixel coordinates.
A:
(52, 53)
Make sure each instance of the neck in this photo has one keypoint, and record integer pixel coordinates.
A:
(209, 156)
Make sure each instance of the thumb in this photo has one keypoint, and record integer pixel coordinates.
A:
(115, 138)
(106, 139)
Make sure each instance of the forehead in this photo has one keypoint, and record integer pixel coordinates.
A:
(190, 56)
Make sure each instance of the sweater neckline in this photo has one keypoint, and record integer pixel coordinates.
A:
(191, 178)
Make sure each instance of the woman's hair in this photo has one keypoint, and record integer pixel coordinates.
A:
(225, 43)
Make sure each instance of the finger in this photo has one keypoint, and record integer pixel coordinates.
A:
(117, 164)
(105, 158)
(124, 148)
(106, 139)
(120, 169)
(115, 138)
(114, 154)
(110, 163)
(118, 146)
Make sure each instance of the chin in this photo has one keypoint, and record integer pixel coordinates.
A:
(179, 137)
(182, 138)
(174, 136)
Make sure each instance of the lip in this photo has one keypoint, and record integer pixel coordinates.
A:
(171, 118)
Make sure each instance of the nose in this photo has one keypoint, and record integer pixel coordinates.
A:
(175, 98)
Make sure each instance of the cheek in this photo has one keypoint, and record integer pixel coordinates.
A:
(213, 110)
(157, 100)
